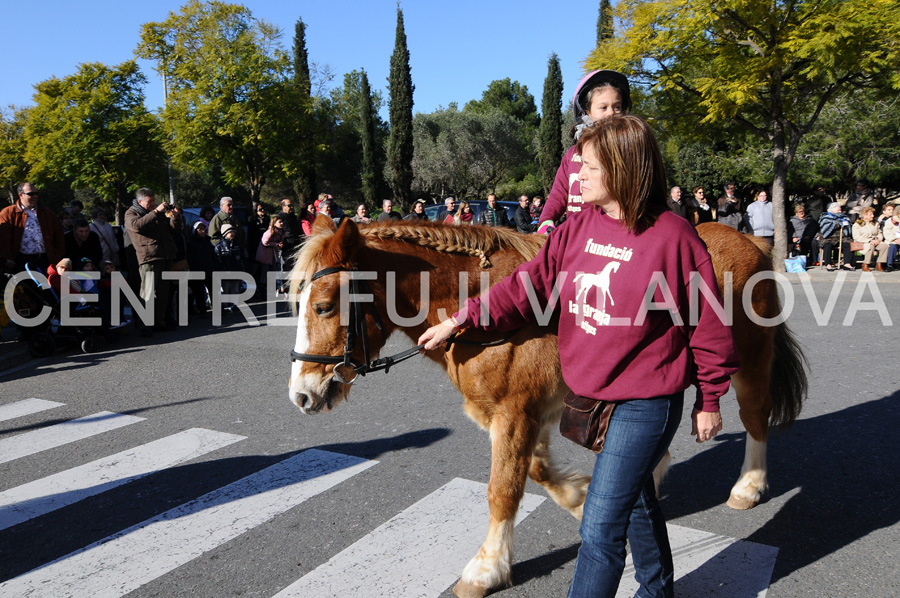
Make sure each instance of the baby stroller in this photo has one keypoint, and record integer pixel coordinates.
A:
(31, 298)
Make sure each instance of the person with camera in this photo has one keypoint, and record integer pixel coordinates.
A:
(151, 234)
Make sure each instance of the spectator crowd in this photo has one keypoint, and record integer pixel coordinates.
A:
(863, 230)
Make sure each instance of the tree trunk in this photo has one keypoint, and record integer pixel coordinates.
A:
(779, 200)
(122, 204)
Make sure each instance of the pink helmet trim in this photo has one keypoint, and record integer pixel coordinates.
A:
(593, 79)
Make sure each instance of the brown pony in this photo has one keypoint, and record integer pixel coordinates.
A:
(513, 389)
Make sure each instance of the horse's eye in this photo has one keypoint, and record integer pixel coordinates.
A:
(323, 309)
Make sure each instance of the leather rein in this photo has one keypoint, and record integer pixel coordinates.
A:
(357, 329)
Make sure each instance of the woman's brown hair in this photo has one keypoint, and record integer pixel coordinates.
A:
(632, 167)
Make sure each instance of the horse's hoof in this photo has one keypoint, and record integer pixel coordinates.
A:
(741, 504)
(469, 590)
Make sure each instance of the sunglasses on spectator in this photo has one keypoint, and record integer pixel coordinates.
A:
(31, 193)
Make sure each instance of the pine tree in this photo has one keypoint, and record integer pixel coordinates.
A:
(400, 143)
(551, 149)
(604, 22)
(306, 182)
(367, 138)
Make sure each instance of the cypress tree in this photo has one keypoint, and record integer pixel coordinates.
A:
(306, 182)
(604, 22)
(301, 58)
(551, 149)
(367, 135)
(400, 143)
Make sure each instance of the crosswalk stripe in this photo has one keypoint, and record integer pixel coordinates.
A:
(131, 558)
(710, 565)
(68, 487)
(57, 435)
(26, 407)
(418, 553)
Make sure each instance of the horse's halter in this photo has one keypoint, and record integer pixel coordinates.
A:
(355, 328)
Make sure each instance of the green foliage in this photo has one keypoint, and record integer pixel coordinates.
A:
(466, 154)
(13, 167)
(551, 148)
(232, 99)
(92, 128)
(400, 144)
(529, 185)
(857, 137)
(368, 116)
(206, 187)
(766, 68)
(605, 29)
(340, 166)
(509, 97)
(306, 149)
(301, 59)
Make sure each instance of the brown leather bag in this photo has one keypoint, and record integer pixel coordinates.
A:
(857, 246)
(584, 420)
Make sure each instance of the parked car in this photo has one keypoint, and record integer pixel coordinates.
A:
(478, 206)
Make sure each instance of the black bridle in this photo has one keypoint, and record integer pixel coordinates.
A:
(356, 327)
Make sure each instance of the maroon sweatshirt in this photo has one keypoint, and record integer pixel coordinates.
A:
(565, 195)
(612, 344)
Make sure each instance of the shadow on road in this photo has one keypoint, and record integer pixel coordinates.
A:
(843, 465)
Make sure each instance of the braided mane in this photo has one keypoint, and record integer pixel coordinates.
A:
(477, 241)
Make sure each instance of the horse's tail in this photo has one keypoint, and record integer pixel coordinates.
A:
(788, 384)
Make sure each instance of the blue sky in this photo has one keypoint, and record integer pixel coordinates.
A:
(456, 48)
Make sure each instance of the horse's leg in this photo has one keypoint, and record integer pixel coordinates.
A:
(660, 472)
(513, 437)
(751, 384)
(567, 488)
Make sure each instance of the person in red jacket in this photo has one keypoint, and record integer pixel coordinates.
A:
(30, 233)
(630, 331)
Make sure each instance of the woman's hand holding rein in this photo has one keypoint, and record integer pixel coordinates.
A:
(436, 336)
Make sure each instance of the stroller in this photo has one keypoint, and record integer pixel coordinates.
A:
(31, 298)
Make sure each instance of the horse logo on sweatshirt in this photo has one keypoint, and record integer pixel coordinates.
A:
(585, 282)
(599, 281)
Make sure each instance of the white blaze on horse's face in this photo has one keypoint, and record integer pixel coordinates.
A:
(312, 387)
(301, 345)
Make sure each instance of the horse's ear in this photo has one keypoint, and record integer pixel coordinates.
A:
(323, 224)
(342, 247)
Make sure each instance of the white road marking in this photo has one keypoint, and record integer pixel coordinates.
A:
(65, 488)
(26, 407)
(420, 552)
(57, 435)
(712, 566)
(131, 558)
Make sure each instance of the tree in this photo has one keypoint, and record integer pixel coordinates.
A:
(857, 137)
(92, 128)
(465, 154)
(233, 100)
(604, 22)
(306, 181)
(510, 97)
(13, 167)
(367, 119)
(551, 148)
(400, 144)
(341, 168)
(765, 68)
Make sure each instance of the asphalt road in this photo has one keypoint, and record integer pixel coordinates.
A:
(384, 496)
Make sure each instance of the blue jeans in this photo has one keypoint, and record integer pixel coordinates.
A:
(621, 502)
